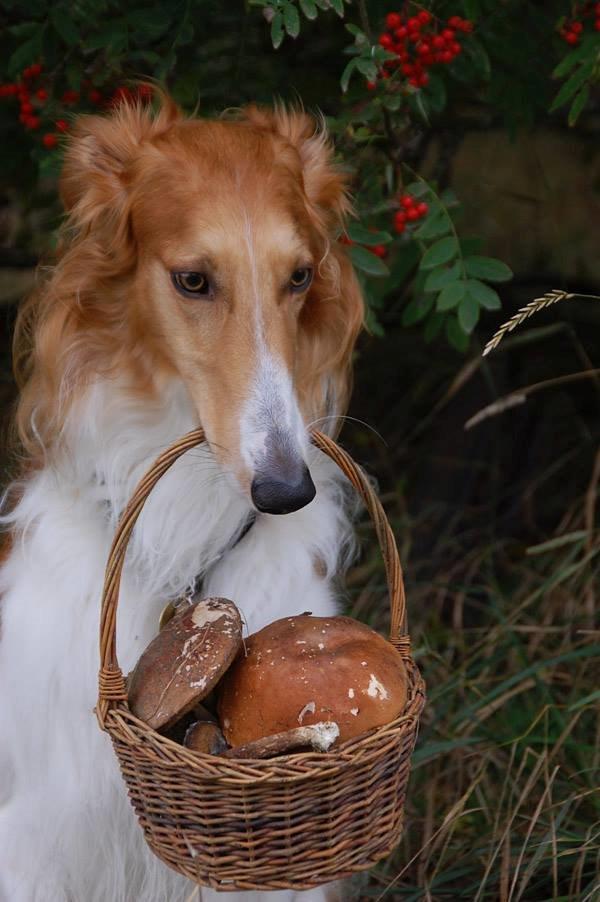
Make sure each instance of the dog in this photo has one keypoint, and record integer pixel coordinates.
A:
(199, 281)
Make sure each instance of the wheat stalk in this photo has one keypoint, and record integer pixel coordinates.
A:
(524, 312)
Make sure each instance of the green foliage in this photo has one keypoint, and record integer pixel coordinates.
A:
(327, 51)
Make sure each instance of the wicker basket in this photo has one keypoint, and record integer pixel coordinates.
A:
(292, 822)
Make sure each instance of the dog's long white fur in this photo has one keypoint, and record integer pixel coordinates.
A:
(67, 831)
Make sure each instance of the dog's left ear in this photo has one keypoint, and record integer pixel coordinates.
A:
(325, 184)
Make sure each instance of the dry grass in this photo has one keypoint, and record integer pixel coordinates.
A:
(503, 800)
(551, 297)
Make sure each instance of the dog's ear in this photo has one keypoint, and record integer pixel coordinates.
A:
(325, 184)
(99, 155)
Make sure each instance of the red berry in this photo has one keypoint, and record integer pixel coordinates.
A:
(400, 216)
(424, 17)
(438, 42)
(49, 140)
(597, 24)
(69, 97)
(385, 41)
(446, 56)
(42, 94)
(455, 21)
(423, 49)
(466, 26)
(455, 48)
(407, 201)
(577, 27)
(414, 24)
(61, 125)
(448, 34)
(423, 79)
(401, 32)
(26, 72)
(32, 122)
(145, 92)
(393, 20)
(371, 85)
(422, 208)
(413, 214)
(428, 60)
(95, 96)
(571, 37)
(35, 69)
(399, 227)
(408, 69)
(26, 108)
(379, 250)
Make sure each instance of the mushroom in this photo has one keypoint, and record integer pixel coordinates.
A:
(303, 670)
(205, 736)
(318, 736)
(182, 664)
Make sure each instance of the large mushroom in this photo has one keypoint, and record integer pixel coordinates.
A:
(302, 670)
(185, 661)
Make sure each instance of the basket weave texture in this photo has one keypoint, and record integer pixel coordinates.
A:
(292, 822)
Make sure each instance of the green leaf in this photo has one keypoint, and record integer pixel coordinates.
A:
(455, 335)
(578, 104)
(277, 33)
(436, 224)
(418, 189)
(488, 268)
(416, 310)
(571, 59)
(309, 8)
(483, 295)
(573, 84)
(367, 262)
(438, 278)
(338, 7)
(451, 295)
(440, 252)
(436, 91)
(367, 68)
(64, 26)
(347, 74)
(480, 59)
(433, 326)
(25, 54)
(362, 235)
(468, 313)
(291, 20)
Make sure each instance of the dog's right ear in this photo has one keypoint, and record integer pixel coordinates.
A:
(100, 153)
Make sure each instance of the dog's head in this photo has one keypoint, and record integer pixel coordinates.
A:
(206, 250)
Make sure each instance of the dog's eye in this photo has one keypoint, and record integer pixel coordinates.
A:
(301, 278)
(191, 283)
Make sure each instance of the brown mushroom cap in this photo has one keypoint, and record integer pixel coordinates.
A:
(184, 662)
(302, 670)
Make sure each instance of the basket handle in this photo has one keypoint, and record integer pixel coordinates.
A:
(112, 689)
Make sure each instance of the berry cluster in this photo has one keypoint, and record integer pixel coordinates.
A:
(411, 210)
(571, 29)
(37, 107)
(418, 42)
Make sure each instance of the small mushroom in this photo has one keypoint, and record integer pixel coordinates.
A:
(303, 670)
(318, 736)
(185, 661)
(205, 736)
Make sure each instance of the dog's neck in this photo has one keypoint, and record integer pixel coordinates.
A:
(195, 511)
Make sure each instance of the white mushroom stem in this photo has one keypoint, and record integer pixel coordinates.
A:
(319, 736)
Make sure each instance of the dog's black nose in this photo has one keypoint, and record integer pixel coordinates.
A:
(277, 496)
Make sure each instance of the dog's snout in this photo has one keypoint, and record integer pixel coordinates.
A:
(273, 495)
